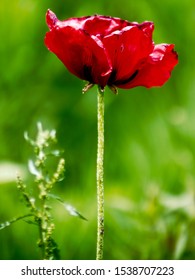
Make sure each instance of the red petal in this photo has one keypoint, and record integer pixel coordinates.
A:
(158, 68)
(51, 19)
(147, 27)
(128, 49)
(82, 54)
(94, 25)
(103, 25)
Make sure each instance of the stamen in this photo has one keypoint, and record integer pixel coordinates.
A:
(87, 87)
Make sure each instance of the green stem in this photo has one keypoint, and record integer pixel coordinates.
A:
(42, 237)
(100, 175)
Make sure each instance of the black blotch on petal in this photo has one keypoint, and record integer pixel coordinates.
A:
(123, 82)
(112, 77)
(87, 73)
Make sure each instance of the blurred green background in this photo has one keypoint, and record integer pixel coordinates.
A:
(149, 138)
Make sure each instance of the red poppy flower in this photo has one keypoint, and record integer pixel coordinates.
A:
(110, 51)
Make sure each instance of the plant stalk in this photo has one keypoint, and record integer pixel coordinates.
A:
(100, 175)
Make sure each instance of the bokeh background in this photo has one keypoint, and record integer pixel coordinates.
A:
(149, 138)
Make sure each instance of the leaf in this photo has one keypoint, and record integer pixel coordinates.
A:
(32, 168)
(4, 225)
(73, 212)
(28, 139)
(55, 153)
(69, 208)
(181, 241)
(9, 223)
(56, 197)
(31, 222)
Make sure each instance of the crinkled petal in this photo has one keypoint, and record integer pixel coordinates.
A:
(103, 25)
(147, 27)
(94, 25)
(82, 54)
(157, 69)
(128, 50)
(53, 21)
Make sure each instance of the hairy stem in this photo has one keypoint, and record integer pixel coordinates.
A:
(100, 175)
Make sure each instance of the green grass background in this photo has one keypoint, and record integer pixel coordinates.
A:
(149, 138)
